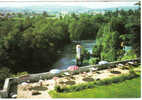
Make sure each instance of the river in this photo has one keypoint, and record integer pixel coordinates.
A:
(68, 54)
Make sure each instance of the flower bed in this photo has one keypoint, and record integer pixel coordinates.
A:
(88, 79)
(39, 88)
(69, 82)
(115, 72)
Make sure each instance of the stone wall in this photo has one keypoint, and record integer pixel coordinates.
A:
(35, 77)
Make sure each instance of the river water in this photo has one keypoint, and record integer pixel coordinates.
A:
(68, 54)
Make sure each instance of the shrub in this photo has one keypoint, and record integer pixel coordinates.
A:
(86, 54)
(90, 85)
(4, 73)
(104, 82)
(93, 61)
(116, 79)
(20, 74)
(129, 55)
(58, 88)
(96, 83)
(78, 88)
(85, 62)
(132, 71)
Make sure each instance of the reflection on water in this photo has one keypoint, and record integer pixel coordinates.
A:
(88, 44)
(68, 55)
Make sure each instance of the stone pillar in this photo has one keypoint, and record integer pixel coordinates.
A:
(78, 51)
(78, 54)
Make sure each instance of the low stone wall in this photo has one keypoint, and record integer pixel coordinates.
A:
(4, 92)
(35, 77)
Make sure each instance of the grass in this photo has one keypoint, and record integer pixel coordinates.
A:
(126, 89)
(95, 83)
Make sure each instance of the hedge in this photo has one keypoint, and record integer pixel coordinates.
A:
(96, 83)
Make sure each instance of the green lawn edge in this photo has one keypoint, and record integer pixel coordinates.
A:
(126, 89)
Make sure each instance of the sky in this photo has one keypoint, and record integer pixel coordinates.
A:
(78, 0)
(85, 4)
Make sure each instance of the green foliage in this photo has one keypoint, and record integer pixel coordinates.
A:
(109, 42)
(36, 41)
(86, 54)
(137, 70)
(93, 61)
(131, 89)
(123, 28)
(20, 74)
(95, 83)
(31, 43)
(58, 88)
(85, 62)
(4, 73)
(75, 87)
(97, 49)
(83, 27)
(129, 55)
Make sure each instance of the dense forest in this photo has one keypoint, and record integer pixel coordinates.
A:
(31, 43)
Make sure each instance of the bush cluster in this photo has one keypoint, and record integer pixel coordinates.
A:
(95, 83)
(93, 61)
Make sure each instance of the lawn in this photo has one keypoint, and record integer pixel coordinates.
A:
(126, 89)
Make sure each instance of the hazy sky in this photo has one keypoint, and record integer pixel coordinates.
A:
(86, 4)
(77, 0)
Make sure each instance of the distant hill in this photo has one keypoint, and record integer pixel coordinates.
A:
(58, 9)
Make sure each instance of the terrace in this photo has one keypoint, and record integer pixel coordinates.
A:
(38, 85)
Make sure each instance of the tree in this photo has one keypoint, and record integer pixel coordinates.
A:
(75, 29)
(45, 14)
(107, 43)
